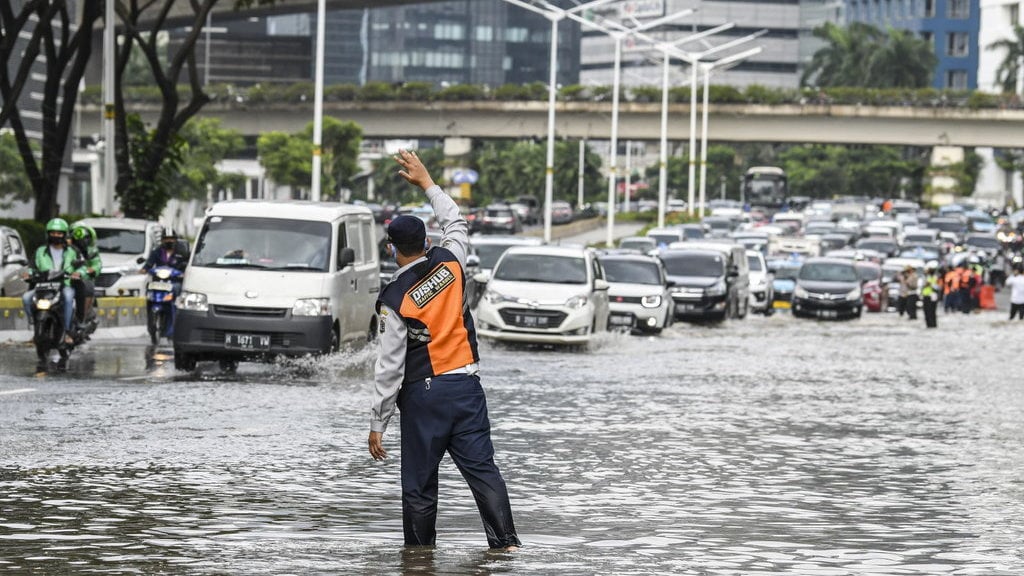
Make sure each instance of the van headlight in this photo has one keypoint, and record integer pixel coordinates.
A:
(651, 301)
(717, 289)
(576, 302)
(193, 302)
(799, 292)
(853, 294)
(312, 307)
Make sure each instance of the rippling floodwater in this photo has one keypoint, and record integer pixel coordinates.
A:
(769, 446)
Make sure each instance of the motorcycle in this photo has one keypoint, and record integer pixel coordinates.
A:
(48, 316)
(160, 302)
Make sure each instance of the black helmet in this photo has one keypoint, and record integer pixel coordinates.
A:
(169, 233)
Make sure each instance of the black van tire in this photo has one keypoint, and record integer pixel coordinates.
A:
(183, 361)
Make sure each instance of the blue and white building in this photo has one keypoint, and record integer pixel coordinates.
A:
(951, 26)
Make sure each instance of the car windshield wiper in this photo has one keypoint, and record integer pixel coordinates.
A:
(233, 265)
(294, 267)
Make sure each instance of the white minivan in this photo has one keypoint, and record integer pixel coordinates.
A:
(273, 278)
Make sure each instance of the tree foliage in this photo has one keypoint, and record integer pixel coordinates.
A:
(822, 171)
(1009, 68)
(392, 188)
(863, 55)
(288, 158)
(14, 183)
(63, 44)
(205, 143)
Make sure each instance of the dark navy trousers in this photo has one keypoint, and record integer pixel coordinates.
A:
(449, 414)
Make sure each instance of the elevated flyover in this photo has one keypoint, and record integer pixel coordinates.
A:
(825, 124)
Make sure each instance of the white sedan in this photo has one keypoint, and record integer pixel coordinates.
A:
(544, 295)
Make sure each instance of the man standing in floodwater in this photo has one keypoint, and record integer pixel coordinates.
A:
(427, 365)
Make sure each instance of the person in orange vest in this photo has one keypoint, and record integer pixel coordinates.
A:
(951, 287)
(966, 287)
(428, 367)
(887, 206)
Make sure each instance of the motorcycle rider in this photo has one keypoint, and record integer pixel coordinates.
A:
(56, 255)
(83, 237)
(172, 254)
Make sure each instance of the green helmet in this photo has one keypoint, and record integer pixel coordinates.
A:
(80, 232)
(57, 225)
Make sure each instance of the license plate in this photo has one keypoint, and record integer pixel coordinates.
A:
(781, 305)
(685, 307)
(55, 286)
(531, 321)
(620, 320)
(826, 313)
(161, 286)
(247, 341)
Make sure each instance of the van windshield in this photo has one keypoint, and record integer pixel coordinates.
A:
(264, 243)
(694, 264)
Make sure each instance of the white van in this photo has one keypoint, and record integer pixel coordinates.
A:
(277, 278)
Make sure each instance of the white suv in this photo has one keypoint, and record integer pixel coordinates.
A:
(544, 295)
(761, 291)
(121, 242)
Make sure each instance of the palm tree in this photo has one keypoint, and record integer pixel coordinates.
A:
(1009, 69)
(902, 61)
(843, 60)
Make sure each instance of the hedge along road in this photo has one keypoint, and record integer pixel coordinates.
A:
(769, 445)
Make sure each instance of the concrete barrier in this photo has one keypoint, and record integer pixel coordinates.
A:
(561, 231)
(110, 312)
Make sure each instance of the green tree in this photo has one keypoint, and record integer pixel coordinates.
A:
(286, 158)
(149, 196)
(510, 169)
(14, 183)
(1009, 68)
(902, 61)
(821, 171)
(340, 152)
(816, 171)
(863, 55)
(205, 143)
(60, 41)
(389, 187)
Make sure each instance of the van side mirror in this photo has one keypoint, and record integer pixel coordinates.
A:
(733, 273)
(600, 284)
(670, 283)
(472, 261)
(482, 277)
(346, 256)
(140, 260)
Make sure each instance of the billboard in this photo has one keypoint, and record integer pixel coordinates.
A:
(641, 9)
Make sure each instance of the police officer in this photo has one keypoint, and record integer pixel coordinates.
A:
(83, 237)
(931, 290)
(427, 365)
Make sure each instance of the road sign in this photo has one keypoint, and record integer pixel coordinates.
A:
(464, 176)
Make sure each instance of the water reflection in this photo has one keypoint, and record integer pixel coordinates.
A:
(768, 446)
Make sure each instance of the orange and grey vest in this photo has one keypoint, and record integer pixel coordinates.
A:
(428, 298)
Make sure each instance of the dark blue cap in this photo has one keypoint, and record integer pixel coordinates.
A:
(407, 230)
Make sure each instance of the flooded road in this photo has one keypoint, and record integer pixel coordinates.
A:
(766, 446)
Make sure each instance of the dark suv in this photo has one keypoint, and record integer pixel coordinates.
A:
(500, 219)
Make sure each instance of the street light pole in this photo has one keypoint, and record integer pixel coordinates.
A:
(708, 67)
(613, 155)
(555, 15)
(109, 164)
(582, 168)
(318, 100)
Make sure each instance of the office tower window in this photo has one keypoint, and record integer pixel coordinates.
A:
(929, 8)
(517, 35)
(957, 44)
(959, 9)
(449, 31)
(1013, 14)
(956, 79)
(484, 34)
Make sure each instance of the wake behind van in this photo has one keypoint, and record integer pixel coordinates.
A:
(277, 278)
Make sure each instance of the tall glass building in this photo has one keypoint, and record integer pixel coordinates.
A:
(456, 42)
(952, 27)
(787, 44)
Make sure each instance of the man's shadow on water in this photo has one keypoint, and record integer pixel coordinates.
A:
(426, 560)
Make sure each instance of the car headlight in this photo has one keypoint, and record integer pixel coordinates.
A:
(718, 289)
(312, 307)
(853, 294)
(576, 302)
(651, 301)
(193, 302)
(799, 292)
(493, 297)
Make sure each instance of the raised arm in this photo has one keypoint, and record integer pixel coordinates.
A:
(455, 229)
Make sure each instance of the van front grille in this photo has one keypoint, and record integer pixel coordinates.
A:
(250, 312)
